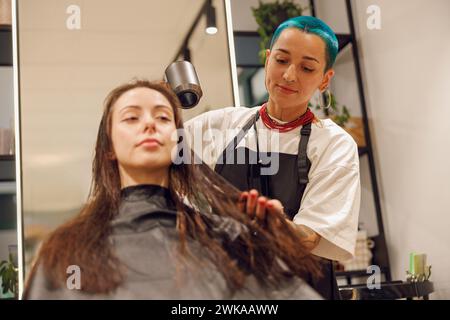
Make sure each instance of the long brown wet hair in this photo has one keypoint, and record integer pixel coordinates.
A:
(271, 252)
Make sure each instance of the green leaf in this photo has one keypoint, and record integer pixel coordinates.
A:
(9, 276)
(268, 16)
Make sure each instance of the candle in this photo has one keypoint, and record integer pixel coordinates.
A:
(411, 263)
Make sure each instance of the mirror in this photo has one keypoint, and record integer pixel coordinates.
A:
(70, 55)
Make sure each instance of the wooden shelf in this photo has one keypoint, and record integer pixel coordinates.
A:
(388, 291)
(7, 157)
(362, 151)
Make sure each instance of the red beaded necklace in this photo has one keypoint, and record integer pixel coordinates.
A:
(305, 118)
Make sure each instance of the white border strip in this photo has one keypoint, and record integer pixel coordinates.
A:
(18, 156)
(232, 53)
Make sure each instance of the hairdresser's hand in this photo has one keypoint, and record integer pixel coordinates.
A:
(259, 207)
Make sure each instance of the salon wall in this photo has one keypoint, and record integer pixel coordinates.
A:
(406, 74)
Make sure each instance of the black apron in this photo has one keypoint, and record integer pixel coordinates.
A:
(287, 185)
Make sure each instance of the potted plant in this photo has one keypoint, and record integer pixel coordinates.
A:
(269, 16)
(9, 277)
(341, 116)
(337, 113)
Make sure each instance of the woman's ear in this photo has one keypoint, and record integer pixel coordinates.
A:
(326, 80)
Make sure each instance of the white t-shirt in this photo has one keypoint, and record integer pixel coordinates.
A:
(331, 200)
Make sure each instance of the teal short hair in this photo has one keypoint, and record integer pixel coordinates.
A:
(315, 26)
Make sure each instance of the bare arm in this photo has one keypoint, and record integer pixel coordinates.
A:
(310, 238)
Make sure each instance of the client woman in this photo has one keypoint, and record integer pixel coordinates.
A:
(155, 228)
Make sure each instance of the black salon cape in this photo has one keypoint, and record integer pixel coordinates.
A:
(145, 240)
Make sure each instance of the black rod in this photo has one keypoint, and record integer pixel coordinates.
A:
(312, 7)
(191, 30)
(367, 132)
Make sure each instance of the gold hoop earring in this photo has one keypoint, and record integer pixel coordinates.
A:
(328, 100)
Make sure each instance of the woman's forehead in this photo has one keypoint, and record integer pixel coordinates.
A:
(143, 97)
(299, 44)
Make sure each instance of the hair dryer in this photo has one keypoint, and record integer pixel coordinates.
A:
(183, 79)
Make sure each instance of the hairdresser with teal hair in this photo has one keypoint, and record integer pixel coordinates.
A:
(309, 167)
